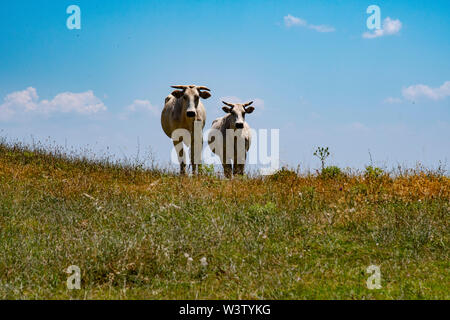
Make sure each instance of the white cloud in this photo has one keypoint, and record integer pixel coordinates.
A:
(24, 101)
(138, 107)
(417, 91)
(27, 102)
(392, 100)
(142, 105)
(291, 21)
(321, 28)
(82, 103)
(390, 27)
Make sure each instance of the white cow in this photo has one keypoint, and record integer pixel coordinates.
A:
(230, 137)
(184, 110)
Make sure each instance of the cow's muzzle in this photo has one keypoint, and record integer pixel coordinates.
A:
(190, 114)
(239, 125)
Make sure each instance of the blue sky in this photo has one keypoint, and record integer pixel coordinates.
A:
(313, 73)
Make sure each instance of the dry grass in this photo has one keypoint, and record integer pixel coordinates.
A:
(138, 233)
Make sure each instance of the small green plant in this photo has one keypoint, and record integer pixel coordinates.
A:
(331, 172)
(322, 153)
(283, 174)
(265, 209)
(360, 188)
(373, 172)
(307, 192)
(206, 169)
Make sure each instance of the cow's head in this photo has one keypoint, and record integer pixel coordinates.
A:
(190, 96)
(237, 111)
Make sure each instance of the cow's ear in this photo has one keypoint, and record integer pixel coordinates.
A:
(204, 94)
(226, 109)
(177, 94)
(249, 109)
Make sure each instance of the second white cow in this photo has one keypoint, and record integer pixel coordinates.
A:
(230, 137)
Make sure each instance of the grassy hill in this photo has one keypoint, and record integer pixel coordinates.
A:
(151, 234)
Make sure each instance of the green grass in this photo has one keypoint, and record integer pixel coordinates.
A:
(140, 234)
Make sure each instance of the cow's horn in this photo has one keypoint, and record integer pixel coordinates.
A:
(180, 87)
(247, 104)
(228, 104)
(203, 88)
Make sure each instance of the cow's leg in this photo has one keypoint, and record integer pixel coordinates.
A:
(227, 166)
(240, 155)
(227, 169)
(238, 168)
(181, 156)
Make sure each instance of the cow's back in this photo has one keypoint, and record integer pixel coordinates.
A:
(167, 120)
